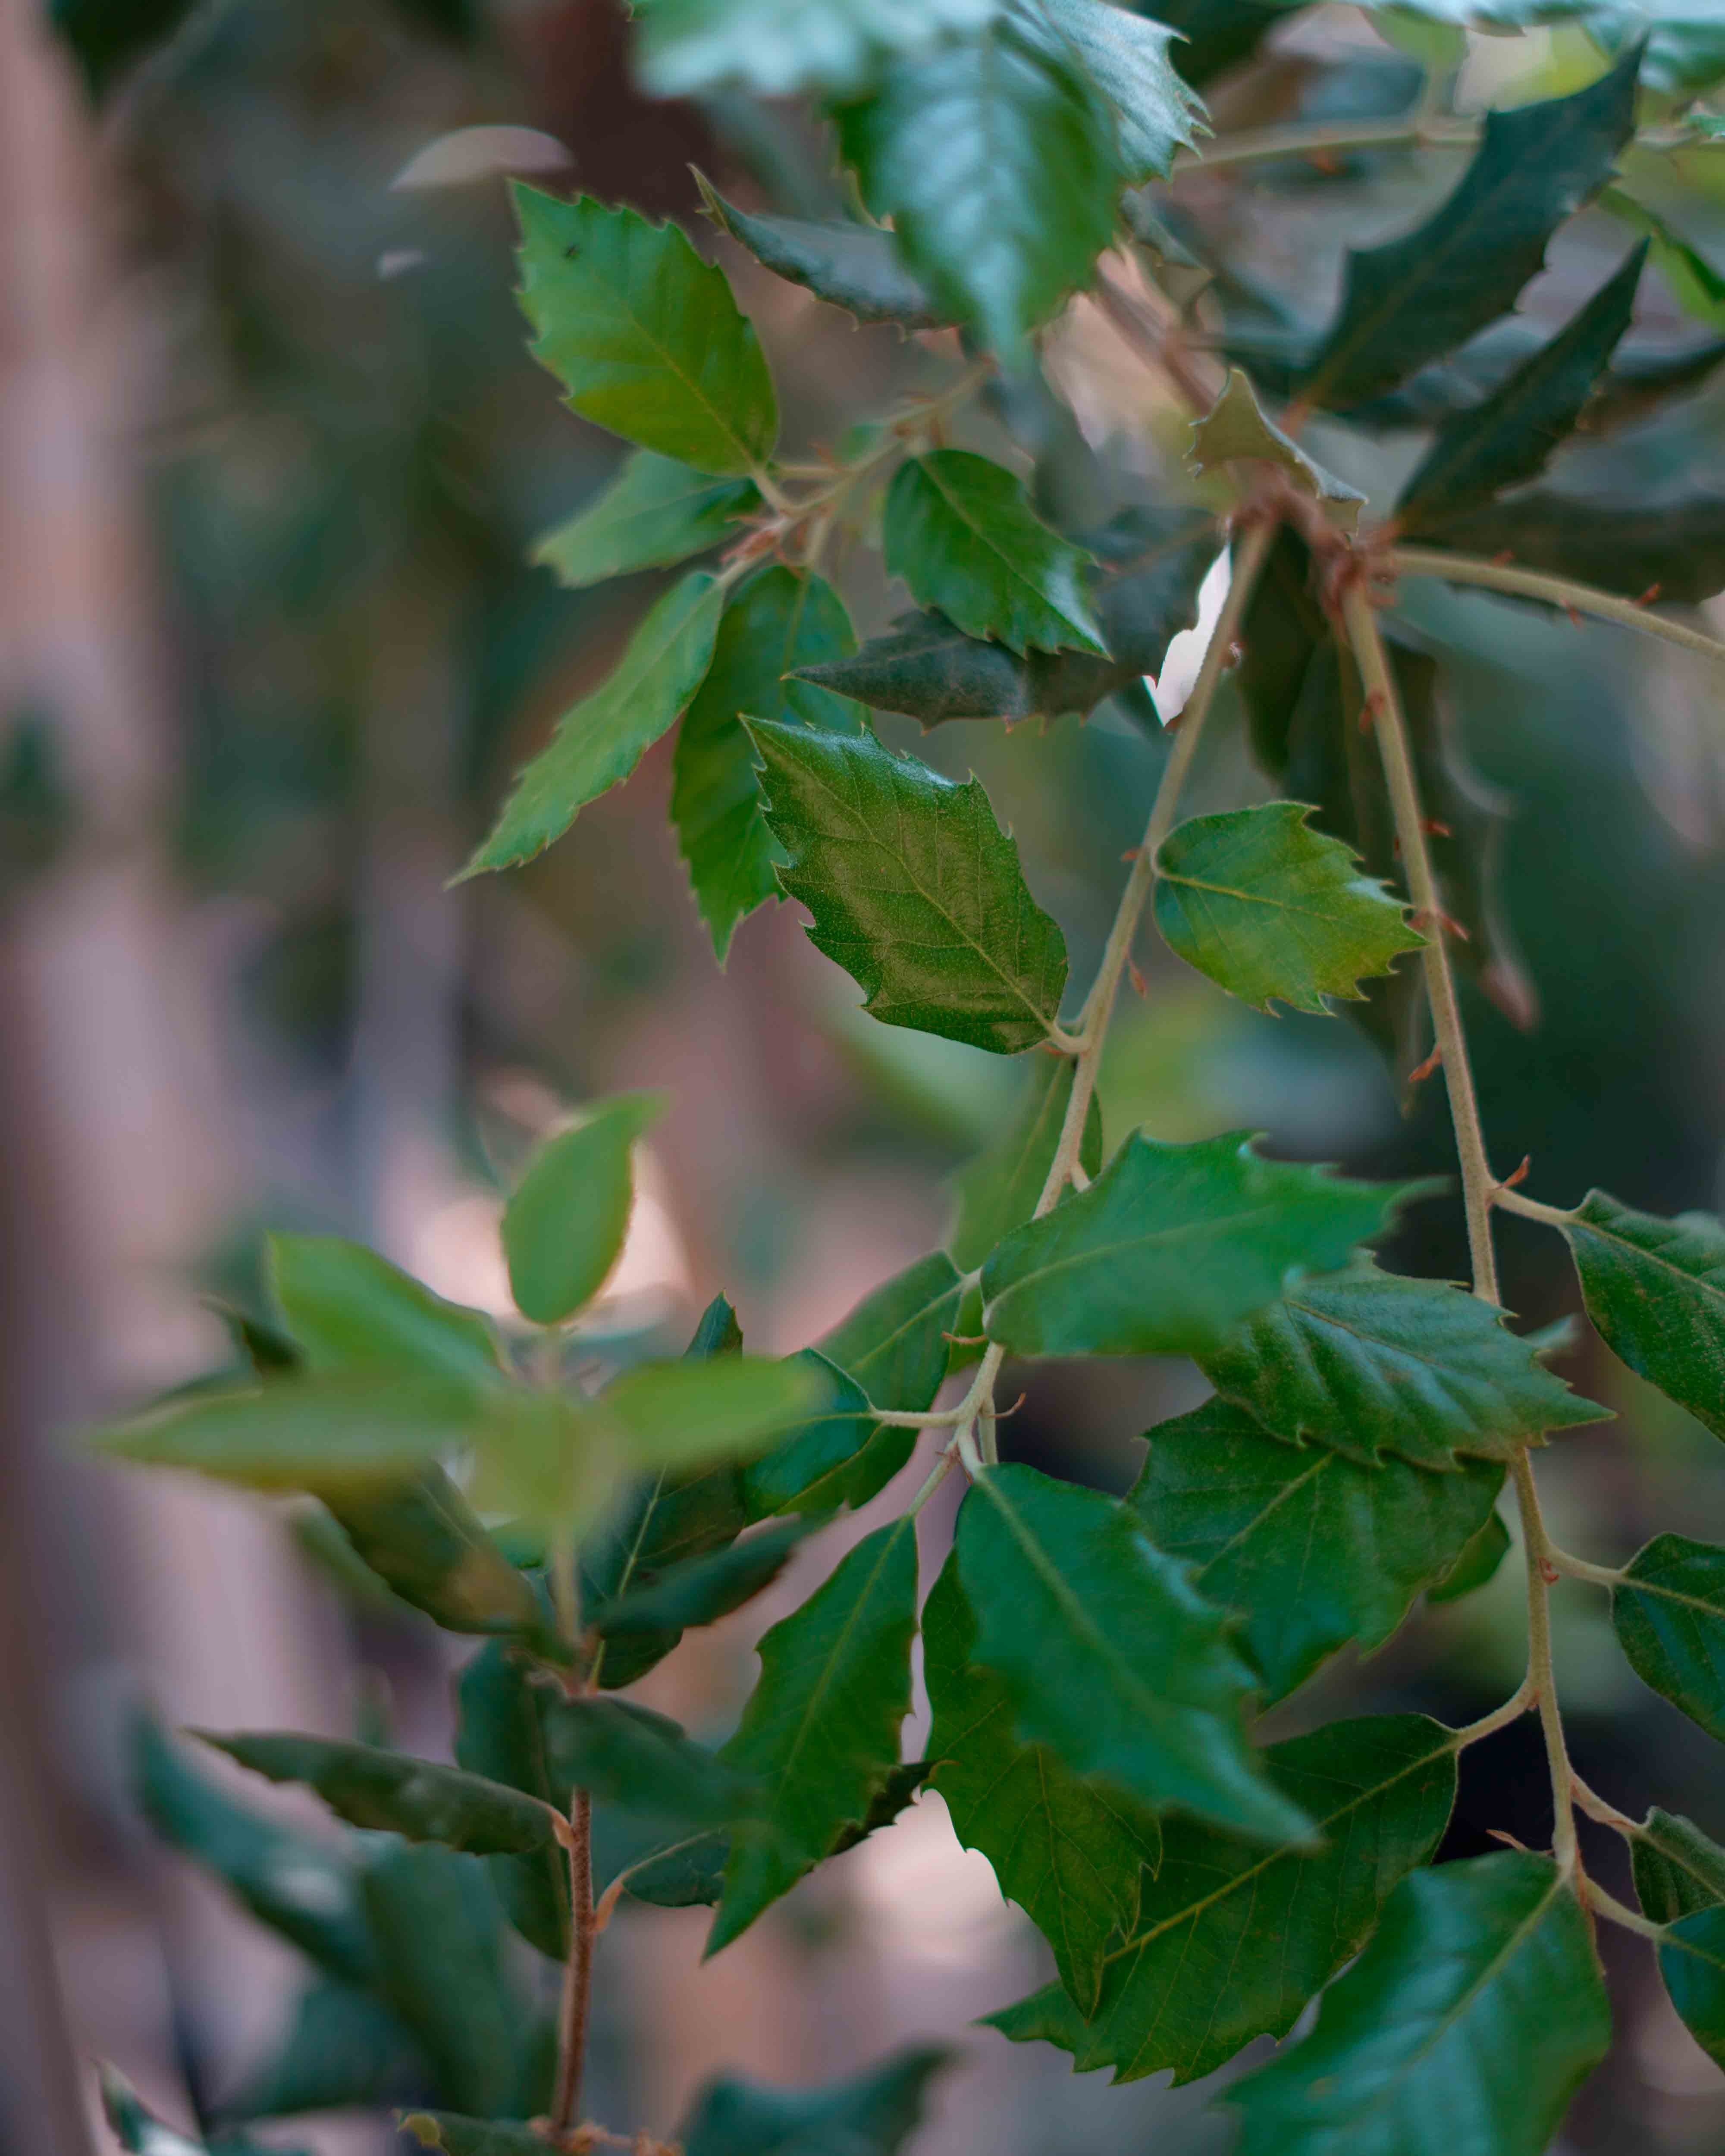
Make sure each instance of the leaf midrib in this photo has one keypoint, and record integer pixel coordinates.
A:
(1056, 546)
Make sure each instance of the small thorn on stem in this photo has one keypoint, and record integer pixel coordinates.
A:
(1419, 1076)
(1001, 1413)
(1575, 620)
(966, 1339)
(1433, 828)
(1498, 1834)
(1446, 924)
(1132, 853)
(1502, 558)
(1135, 974)
(1520, 1175)
(1649, 596)
(1548, 1572)
(1373, 708)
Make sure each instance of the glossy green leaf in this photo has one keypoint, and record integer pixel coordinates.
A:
(564, 1224)
(915, 889)
(1509, 438)
(929, 668)
(998, 1191)
(1130, 58)
(959, 529)
(857, 267)
(1235, 430)
(429, 1547)
(343, 2050)
(821, 1727)
(997, 163)
(1414, 298)
(1476, 2012)
(779, 47)
(395, 1792)
(872, 2115)
(777, 623)
(1231, 1941)
(305, 1888)
(1656, 1289)
(1668, 1610)
(600, 740)
(896, 1346)
(1172, 1247)
(644, 336)
(348, 1308)
(821, 1465)
(1269, 908)
(1477, 1563)
(1312, 1549)
(1691, 1960)
(1677, 1869)
(1367, 1362)
(1108, 1653)
(1068, 1851)
(655, 513)
(702, 1590)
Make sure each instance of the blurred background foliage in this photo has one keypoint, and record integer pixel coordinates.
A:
(340, 456)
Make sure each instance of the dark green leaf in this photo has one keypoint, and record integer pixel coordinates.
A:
(1067, 1851)
(932, 671)
(998, 1191)
(141, 2132)
(702, 1590)
(1235, 430)
(915, 889)
(600, 742)
(424, 1540)
(1109, 1655)
(854, 266)
(997, 163)
(1478, 1561)
(1230, 1942)
(1370, 1361)
(644, 336)
(777, 623)
(305, 1888)
(778, 49)
(822, 1466)
(564, 1224)
(718, 1332)
(1172, 1247)
(1623, 546)
(870, 2115)
(348, 1308)
(1130, 58)
(396, 1793)
(821, 1727)
(1310, 1549)
(896, 1345)
(1698, 286)
(458, 2136)
(1669, 1612)
(1656, 1289)
(344, 2050)
(1677, 1869)
(960, 531)
(1476, 2012)
(1691, 1960)
(1415, 298)
(1509, 438)
(500, 1734)
(655, 513)
(626, 1754)
(1269, 908)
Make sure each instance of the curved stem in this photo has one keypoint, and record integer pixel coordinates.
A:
(1512, 1709)
(1577, 1567)
(1556, 591)
(1530, 1208)
(1614, 1911)
(1596, 1808)
(1416, 131)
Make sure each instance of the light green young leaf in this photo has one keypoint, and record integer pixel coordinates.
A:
(857, 267)
(1268, 908)
(1677, 1869)
(1310, 1549)
(961, 531)
(776, 623)
(1656, 1289)
(821, 1727)
(645, 336)
(915, 889)
(1668, 1610)
(1068, 1851)
(564, 1224)
(1126, 55)
(997, 163)
(683, 1414)
(1172, 1247)
(348, 1308)
(872, 2115)
(1235, 430)
(655, 513)
(598, 743)
(1476, 2012)
(397, 1793)
(777, 48)
(1109, 1655)
(1369, 1363)
(998, 1191)
(1231, 1941)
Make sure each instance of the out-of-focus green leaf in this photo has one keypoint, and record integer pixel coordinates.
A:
(1416, 297)
(857, 267)
(915, 889)
(565, 1222)
(778, 623)
(1656, 1289)
(343, 2050)
(1172, 1247)
(1068, 1851)
(1370, 1362)
(499, 1736)
(1677, 1869)
(348, 1308)
(141, 2132)
(821, 1729)
(1231, 1941)
(872, 2115)
(644, 336)
(682, 1415)
(1131, 58)
(705, 1588)
(600, 742)
(1234, 430)
(1311, 1548)
(1476, 2010)
(1509, 438)
(1673, 546)
(779, 46)
(1668, 1610)
(998, 1191)
(1268, 908)
(655, 513)
(1110, 1656)
(427, 1545)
